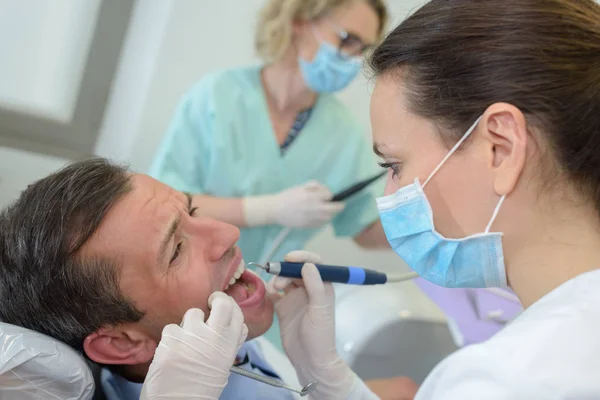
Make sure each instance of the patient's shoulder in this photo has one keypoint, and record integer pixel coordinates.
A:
(115, 387)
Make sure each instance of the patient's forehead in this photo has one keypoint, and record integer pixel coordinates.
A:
(135, 224)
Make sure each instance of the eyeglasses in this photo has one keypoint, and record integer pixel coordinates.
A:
(350, 44)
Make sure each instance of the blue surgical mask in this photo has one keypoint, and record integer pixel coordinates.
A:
(329, 71)
(475, 261)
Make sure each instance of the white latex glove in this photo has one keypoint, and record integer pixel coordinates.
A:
(302, 206)
(192, 361)
(306, 313)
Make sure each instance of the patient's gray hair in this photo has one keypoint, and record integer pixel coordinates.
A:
(45, 283)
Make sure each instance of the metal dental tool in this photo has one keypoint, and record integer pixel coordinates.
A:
(333, 273)
(344, 194)
(306, 390)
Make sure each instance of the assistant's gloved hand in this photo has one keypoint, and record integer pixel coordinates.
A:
(302, 206)
(307, 321)
(192, 361)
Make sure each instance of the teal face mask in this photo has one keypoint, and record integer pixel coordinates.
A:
(475, 261)
(330, 71)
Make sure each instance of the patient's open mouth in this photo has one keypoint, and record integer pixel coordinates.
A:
(246, 288)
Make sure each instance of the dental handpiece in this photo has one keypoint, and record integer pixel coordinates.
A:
(333, 273)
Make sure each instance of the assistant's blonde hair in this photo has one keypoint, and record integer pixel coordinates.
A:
(275, 22)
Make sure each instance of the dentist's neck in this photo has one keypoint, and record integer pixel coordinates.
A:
(555, 247)
(284, 86)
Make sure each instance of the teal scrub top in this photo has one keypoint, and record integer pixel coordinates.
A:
(221, 143)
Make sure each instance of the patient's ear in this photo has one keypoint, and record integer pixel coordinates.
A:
(119, 346)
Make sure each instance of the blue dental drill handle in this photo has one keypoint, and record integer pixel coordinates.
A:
(329, 273)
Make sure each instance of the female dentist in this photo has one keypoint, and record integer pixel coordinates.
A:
(263, 147)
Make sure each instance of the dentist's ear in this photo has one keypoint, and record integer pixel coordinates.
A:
(505, 128)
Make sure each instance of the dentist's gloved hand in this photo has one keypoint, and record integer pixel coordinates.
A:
(307, 321)
(192, 361)
(302, 206)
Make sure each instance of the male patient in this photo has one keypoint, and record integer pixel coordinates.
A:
(103, 260)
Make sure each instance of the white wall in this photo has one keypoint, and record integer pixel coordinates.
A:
(120, 136)
(44, 45)
(43, 48)
(20, 168)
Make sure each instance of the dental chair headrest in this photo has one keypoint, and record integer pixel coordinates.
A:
(35, 366)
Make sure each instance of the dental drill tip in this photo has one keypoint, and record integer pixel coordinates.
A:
(257, 265)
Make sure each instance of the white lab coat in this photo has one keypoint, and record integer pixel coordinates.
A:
(551, 351)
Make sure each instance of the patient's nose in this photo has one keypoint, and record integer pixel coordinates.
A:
(218, 236)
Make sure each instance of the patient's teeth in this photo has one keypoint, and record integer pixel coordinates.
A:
(237, 274)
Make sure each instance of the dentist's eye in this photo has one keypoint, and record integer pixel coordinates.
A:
(395, 167)
(176, 252)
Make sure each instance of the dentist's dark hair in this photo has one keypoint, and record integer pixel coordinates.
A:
(458, 57)
(46, 283)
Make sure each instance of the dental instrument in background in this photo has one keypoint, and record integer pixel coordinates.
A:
(344, 194)
(333, 273)
(340, 196)
(305, 391)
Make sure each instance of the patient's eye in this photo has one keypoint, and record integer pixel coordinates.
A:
(176, 252)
